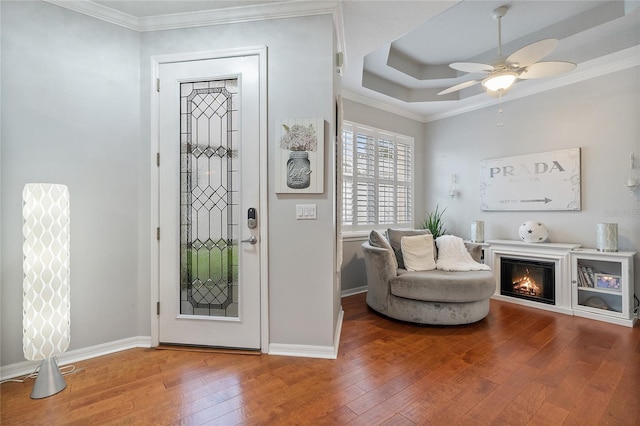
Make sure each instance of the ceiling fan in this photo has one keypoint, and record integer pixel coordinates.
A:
(522, 64)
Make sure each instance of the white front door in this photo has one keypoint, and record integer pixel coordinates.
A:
(209, 144)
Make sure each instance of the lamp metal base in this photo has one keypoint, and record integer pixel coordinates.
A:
(49, 381)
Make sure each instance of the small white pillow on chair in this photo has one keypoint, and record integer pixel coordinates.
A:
(417, 252)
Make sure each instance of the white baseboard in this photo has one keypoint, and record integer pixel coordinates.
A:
(352, 291)
(311, 351)
(27, 367)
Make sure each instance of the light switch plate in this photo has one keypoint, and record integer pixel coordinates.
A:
(306, 212)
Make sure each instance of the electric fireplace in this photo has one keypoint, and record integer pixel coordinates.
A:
(528, 279)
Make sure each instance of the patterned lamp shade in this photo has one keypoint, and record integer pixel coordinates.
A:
(46, 299)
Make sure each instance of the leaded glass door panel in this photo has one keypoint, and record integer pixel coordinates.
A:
(209, 150)
(209, 211)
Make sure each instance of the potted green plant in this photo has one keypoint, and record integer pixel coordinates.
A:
(434, 222)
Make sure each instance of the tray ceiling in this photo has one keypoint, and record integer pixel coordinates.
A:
(397, 52)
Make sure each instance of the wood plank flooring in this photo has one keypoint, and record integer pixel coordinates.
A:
(519, 366)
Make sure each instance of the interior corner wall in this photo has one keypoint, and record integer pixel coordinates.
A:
(76, 104)
(353, 275)
(599, 115)
(300, 84)
(335, 139)
(71, 115)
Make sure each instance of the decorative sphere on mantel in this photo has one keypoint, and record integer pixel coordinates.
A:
(533, 232)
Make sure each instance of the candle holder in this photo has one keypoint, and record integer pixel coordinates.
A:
(477, 231)
(607, 237)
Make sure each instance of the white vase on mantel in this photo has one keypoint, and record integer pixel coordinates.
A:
(533, 232)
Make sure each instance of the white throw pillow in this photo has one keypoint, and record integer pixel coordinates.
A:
(417, 252)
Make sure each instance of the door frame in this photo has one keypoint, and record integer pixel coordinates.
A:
(154, 216)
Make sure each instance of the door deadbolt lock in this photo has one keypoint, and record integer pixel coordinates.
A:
(252, 220)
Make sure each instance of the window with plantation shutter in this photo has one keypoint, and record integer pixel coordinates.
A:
(377, 178)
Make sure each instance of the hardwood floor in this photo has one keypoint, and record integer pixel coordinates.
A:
(519, 366)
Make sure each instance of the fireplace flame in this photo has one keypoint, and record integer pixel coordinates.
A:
(526, 285)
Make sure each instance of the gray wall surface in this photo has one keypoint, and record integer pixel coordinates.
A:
(599, 115)
(76, 105)
(353, 272)
(300, 84)
(71, 115)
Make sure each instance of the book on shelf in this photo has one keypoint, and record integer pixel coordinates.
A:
(585, 276)
(591, 277)
(582, 279)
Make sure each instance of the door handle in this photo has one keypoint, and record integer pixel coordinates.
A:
(251, 240)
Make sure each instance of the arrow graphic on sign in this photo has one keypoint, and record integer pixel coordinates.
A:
(544, 200)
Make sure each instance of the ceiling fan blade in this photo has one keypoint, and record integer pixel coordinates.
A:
(471, 67)
(459, 87)
(532, 53)
(546, 69)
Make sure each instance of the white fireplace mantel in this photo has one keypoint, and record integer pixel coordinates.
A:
(558, 253)
(534, 247)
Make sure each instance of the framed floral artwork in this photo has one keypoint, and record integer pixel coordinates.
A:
(300, 155)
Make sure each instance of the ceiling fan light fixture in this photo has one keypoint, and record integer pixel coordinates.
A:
(524, 64)
(500, 81)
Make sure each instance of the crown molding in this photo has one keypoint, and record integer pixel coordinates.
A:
(233, 15)
(237, 15)
(355, 97)
(99, 11)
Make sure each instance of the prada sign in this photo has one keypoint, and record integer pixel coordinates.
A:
(542, 181)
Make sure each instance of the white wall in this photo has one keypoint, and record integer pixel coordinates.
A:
(75, 110)
(599, 115)
(71, 115)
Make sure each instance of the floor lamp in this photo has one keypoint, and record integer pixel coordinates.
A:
(46, 300)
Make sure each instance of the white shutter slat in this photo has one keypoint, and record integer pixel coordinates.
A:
(365, 155)
(377, 187)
